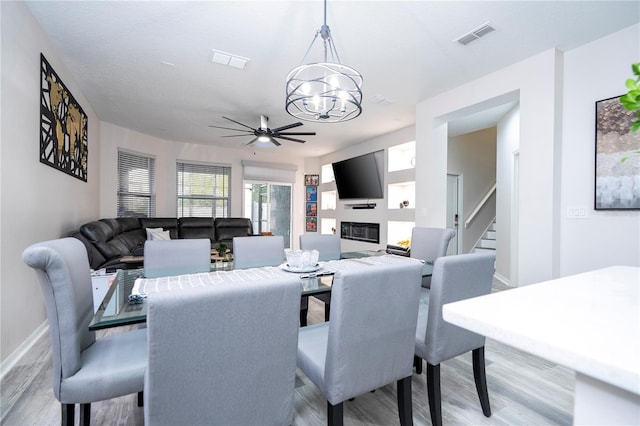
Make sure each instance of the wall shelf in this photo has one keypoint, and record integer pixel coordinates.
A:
(400, 192)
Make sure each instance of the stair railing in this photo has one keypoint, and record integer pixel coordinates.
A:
(480, 205)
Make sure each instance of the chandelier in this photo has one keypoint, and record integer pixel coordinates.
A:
(324, 91)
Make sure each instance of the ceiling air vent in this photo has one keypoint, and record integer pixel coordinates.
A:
(229, 59)
(380, 100)
(473, 35)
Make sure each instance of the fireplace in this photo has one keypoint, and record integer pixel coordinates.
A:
(360, 231)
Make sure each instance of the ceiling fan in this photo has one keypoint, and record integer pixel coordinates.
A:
(265, 134)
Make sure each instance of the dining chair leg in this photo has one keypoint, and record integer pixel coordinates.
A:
(141, 399)
(67, 414)
(327, 311)
(417, 363)
(85, 414)
(480, 377)
(304, 310)
(334, 414)
(433, 391)
(405, 408)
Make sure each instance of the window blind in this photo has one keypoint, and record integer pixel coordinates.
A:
(136, 185)
(203, 190)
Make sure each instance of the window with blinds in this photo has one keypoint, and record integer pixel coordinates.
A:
(203, 190)
(136, 185)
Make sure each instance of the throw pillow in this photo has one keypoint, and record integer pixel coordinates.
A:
(157, 234)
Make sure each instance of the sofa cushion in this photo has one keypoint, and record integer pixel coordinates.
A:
(196, 227)
(96, 259)
(166, 223)
(129, 223)
(132, 239)
(113, 224)
(98, 233)
(157, 234)
(229, 227)
(119, 247)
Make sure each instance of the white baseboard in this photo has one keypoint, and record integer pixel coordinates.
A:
(502, 279)
(15, 356)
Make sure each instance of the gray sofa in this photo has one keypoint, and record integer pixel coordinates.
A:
(108, 240)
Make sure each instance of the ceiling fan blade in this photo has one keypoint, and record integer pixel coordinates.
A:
(290, 139)
(229, 128)
(235, 136)
(295, 134)
(237, 122)
(275, 142)
(251, 142)
(288, 126)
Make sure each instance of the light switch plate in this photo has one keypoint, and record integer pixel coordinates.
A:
(577, 212)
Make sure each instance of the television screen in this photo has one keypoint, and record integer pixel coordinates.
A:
(358, 177)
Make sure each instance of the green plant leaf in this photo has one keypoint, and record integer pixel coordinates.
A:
(631, 99)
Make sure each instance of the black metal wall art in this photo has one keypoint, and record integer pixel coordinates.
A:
(63, 126)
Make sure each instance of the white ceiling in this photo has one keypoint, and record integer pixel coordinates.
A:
(404, 50)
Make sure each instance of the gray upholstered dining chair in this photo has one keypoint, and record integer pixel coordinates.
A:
(257, 251)
(254, 252)
(454, 278)
(236, 364)
(85, 369)
(164, 258)
(328, 246)
(429, 244)
(369, 340)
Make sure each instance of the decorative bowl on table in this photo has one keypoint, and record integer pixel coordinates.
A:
(301, 260)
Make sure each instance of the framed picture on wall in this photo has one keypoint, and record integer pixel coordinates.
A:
(311, 193)
(311, 180)
(312, 209)
(312, 224)
(617, 162)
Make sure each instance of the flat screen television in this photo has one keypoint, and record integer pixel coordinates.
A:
(359, 177)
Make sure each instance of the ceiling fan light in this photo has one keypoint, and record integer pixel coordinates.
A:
(264, 138)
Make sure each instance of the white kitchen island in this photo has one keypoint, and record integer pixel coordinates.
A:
(588, 322)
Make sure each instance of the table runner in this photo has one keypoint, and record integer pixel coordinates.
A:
(145, 286)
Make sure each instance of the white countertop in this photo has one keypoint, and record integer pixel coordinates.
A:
(588, 322)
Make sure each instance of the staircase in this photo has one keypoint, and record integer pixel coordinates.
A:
(488, 241)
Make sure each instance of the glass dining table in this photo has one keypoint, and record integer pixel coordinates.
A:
(117, 309)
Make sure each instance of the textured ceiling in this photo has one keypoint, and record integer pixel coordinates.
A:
(404, 50)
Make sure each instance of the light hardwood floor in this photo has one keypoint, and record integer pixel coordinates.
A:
(523, 390)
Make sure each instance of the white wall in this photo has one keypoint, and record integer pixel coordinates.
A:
(508, 143)
(473, 156)
(38, 201)
(593, 72)
(380, 214)
(535, 79)
(167, 152)
(557, 94)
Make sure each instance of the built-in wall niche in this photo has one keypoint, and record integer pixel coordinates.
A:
(402, 157)
(328, 200)
(399, 232)
(327, 225)
(326, 173)
(401, 195)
